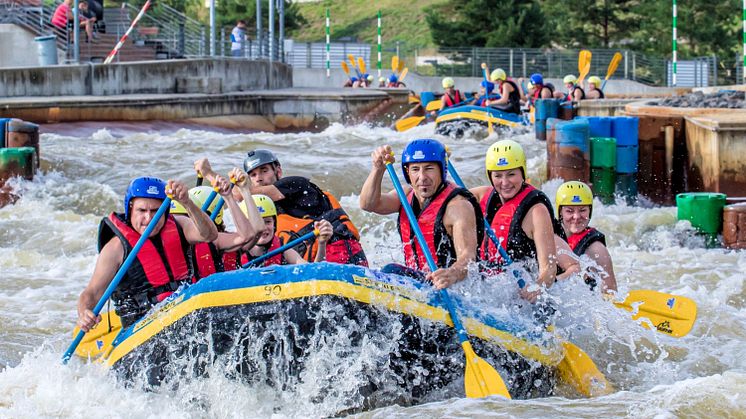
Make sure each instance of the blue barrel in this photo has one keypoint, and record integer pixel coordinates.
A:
(575, 133)
(626, 130)
(426, 97)
(626, 186)
(545, 108)
(3, 123)
(540, 129)
(568, 111)
(600, 126)
(569, 154)
(627, 157)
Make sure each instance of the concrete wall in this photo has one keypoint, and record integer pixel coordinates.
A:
(145, 77)
(307, 77)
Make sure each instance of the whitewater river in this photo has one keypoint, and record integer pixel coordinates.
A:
(47, 254)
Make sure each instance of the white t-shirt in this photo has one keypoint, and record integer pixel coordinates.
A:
(238, 37)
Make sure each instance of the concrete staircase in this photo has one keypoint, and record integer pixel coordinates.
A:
(117, 22)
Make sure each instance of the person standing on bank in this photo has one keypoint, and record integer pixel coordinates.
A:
(238, 39)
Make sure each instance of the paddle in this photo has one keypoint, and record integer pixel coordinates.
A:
(576, 367)
(615, 60)
(485, 71)
(584, 58)
(352, 64)
(411, 122)
(120, 274)
(345, 68)
(394, 64)
(200, 179)
(97, 339)
(583, 73)
(403, 74)
(481, 379)
(401, 67)
(282, 248)
(671, 314)
(361, 64)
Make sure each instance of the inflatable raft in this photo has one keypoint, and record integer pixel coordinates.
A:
(457, 121)
(270, 324)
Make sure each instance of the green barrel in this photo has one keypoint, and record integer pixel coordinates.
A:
(626, 186)
(19, 161)
(703, 209)
(603, 152)
(603, 183)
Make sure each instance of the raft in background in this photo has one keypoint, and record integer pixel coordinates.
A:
(457, 120)
(19, 154)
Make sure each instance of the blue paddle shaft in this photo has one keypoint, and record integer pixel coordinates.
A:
(218, 207)
(120, 274)
(209, 200)
(280, 249)
(462, 337)
(487, 227)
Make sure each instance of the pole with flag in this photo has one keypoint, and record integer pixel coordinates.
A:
(328, 58)
(379, 42)
(673, 77)
(119, 45)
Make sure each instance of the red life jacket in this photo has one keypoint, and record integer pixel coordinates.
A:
(278, 259)
(580, 242)
(450, 101)
(160, 268)
(430, 220)
(230, 261)
(207, 260)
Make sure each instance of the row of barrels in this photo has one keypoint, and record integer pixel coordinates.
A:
(709, 214)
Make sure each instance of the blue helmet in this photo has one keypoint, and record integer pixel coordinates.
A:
(536, 78)
(488, 86)
(393, 78)
(143, 187)
(424, 150)
(353, 79)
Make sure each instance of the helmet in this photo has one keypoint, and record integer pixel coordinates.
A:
(488, 86)
(258, 157)
(448, 82)
(382, 79)
(264, 204)
(353, 79)
(573, 193)
(199, 195)
(570, 79)
(424, 150)
(595, 80)
(368, 77)
(536, 78)
(393, 78)
(143, 187)
(498, 74)
(505, 155)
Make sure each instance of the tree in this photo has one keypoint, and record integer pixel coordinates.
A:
(485, 23)
(591, 23)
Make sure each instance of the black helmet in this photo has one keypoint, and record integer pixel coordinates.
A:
(258, 157)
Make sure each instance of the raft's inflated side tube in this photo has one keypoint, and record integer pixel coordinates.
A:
(232, 309)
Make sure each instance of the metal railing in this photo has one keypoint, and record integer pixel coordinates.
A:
(185, 36)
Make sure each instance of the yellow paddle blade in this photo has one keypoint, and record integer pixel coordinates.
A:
(412, 99)
(481, 380)
(408, 123)
(615, 60)
(352, 60)
(435, 105)
(401, 67)
(584, 58)
(671, 314)
(345, 68)
(578, 369)
(403, 74)
(97, 340)
(583, 73)
(361, 64)
(395, 64)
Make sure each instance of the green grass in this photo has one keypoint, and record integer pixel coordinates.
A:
(358, 19)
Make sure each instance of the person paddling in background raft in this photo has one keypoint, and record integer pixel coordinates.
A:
(162, 265)
(446, 214)
(521, 217)
(221, 255)
(538, 90)
(575, 93)
(268, 241)
(574, 202)
(594, 88)
(485, 93)
(299, 203)
(451, 96)
(510, 95)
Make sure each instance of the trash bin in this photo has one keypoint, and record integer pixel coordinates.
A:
(47, 48)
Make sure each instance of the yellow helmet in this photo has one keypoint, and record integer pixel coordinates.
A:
(448, 82)
(264, 204)
(505, 155)
(573, 193)
(570, 79)
(498, 74)
(199, 195)
(595, 80)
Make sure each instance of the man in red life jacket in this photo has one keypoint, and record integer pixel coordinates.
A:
(451, 96)
(268, 241)
(446, 214)
(574, 202)
(162, 263)
(537, 89)
(521, 216)
(299, 204)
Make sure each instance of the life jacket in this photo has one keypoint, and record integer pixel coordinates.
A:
(206, 259)
(430, 220)
(580, 242)
(537, 92)
(601, 92)
(278, 259)
(506, 219)
(230, 261)
(571, 95)
(344, 246)
(160, 268)
(450, 101)
(514, 100)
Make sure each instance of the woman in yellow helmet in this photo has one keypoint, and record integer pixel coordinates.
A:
(268, 241)
(575, 93)
(574, 203)
(510, 94)
(521, 216)
(451, 96)
(594, 88)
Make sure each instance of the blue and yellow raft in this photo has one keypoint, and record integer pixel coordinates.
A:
(458, 120)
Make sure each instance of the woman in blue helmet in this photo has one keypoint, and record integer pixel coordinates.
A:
(162, 263)
(446, 214)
